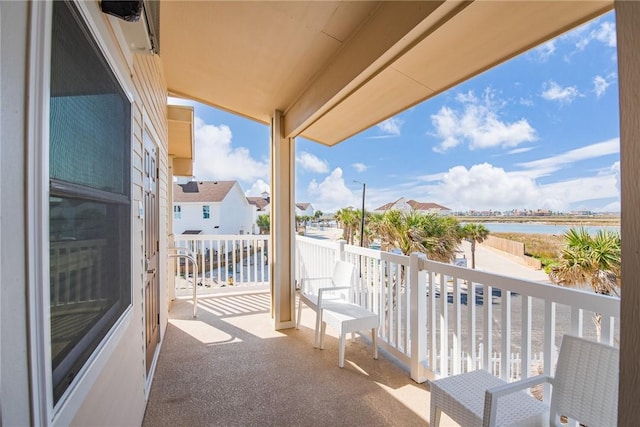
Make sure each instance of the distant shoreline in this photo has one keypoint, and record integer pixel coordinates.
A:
(612, 220)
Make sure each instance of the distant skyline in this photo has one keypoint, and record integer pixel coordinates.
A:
(540, 131)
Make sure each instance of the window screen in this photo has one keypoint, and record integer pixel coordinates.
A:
(89, 204)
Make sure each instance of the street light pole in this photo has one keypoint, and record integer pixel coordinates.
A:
(364, 188)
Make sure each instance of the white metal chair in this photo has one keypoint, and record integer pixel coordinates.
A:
(585, 389)
(316, 290)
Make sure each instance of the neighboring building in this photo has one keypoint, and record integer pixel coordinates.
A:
(403, 205)
(212, 207)
(260, 205)
(304, 209)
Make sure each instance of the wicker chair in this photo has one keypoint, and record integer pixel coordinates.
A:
(585, 389)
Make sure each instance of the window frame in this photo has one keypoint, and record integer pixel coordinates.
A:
(206, 211)
(43, 410)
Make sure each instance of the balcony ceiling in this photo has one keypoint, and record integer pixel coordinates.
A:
(337, 68)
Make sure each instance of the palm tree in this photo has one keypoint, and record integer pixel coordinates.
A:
(590, 260)
(263, 223)
(348, 221)
(434, 235)
(474, 233)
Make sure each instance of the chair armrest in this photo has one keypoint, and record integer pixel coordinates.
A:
(322, 291)
(491, 395)
(311, 279)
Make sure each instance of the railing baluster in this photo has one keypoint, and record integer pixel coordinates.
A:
(505, 333)
(457, 329)
(471, 326)
(487, 325)
(549, 344)
(444, 327)
(525, 332)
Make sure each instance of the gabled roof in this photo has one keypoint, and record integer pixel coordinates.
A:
(259, 202)
(420, 206)
(202, 191)
(303, 206)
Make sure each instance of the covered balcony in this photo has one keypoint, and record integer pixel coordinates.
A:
(230, 367)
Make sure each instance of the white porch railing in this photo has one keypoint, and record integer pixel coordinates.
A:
(428, 309)
(224, 262)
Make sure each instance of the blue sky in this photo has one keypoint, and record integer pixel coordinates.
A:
(538, 132)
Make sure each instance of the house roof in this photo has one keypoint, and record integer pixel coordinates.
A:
(418, 206)
(260, 202)
(202, 191)
(303, 206)
(335, 68)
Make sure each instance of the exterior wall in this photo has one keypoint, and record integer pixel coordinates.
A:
(235, 212)
(14, 366)
(112, 388)
(118, 395)
(307, 212)
(191, 218)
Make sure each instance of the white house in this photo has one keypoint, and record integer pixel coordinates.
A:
(260, 206)
(212, 207)
(304, 209)
(426, 208)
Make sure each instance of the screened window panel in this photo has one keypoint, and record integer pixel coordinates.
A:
(89, 204)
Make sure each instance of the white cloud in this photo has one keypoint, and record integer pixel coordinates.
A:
(309, 162)
(527, 102)
(478, 124)
(391, 126)
(541, 167)
(605, 33)
(360, 167)
(615, 171)
(257, 189)
(520, 150)
(600, 84)
(545, 50)
(217, 159)
(331, 194)
(484, 186)
(581, 190)
(552, 91)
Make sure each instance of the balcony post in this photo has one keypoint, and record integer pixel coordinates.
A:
(418, 318)
(282, 243)
(628, 36)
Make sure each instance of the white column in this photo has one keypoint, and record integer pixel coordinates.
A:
(628, 31)
(282, 245)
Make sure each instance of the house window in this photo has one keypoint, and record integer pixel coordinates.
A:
(206, 214)
(89, 203)
(177, 212)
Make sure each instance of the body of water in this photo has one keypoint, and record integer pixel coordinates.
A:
(538, 228)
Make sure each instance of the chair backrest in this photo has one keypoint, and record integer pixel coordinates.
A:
(342, 273)
(585, 386)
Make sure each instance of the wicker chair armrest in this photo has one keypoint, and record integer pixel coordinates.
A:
(491, 395)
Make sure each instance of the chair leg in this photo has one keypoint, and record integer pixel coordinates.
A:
(343, 339)
(299, 314)
(318, 323)
(375, 344)
(434, 416)
(322, 332)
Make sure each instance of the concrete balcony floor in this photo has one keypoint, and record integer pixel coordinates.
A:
(228, 367)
